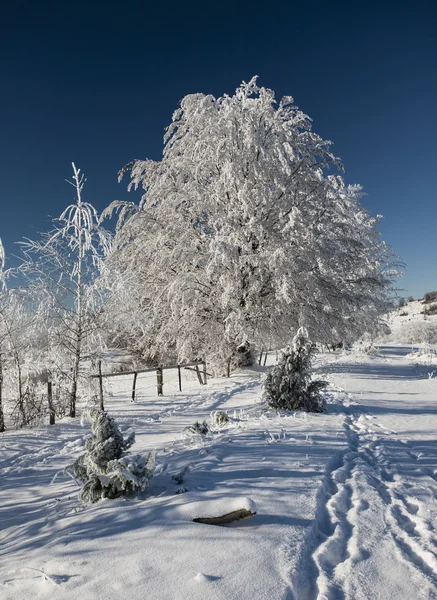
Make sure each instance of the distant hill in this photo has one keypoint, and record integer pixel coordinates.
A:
(414, 323)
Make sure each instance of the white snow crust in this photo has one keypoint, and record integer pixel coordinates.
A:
(346, 501)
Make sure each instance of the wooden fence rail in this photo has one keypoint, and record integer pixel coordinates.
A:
(193, 366)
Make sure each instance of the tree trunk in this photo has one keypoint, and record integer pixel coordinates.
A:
(20, 392)
(79, 301)
(102, 407)
(2, 417)
(229, 366)
(79, 333)
(50, 403)
(134, 385)
(75, 375)
(160, 381)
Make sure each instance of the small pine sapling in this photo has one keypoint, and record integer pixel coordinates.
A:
(289, 385)
(106, 470)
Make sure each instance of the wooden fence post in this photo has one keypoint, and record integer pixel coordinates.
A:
(205, 380)
(260, 358)
(229, 366)
(265, 358)
(134, 385)
(180, 378)
(101, 386)
(160, 381)
(199, 376)
(50, 403)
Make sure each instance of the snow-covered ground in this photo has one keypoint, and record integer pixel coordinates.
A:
(415, 323)
(346, 501)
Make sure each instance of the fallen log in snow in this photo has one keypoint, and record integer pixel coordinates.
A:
(235, 515)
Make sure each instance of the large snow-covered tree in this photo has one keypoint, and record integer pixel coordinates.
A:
(63, 269)
(241, 235)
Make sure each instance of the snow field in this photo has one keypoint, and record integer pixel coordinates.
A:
(345, 501)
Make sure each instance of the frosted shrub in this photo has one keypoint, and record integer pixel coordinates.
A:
(430, 310)
(196, 433)
(196, 429)
(364, 347)
(106, 470)
(430, 296)
(219, 419)
(289, 385)
(426, 355)
(415, 332)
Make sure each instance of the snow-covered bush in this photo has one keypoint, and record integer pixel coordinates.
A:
(426, 355)
(430, 296)
(106, 470)
(430, 310)
(414, 332)
(195, 430)
(289, 385)
(364, 347)
(219, 419)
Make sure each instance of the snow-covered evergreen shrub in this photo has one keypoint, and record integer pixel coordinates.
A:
(245, 355)
(196, 429)
(219, 419)
(106, 470)
(289, 385)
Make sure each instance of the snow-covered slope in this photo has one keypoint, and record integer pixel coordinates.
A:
(412, 324)
(345, 501)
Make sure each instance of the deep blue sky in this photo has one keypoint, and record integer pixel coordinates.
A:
(96, 83)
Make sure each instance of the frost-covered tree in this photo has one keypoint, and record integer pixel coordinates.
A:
(290, 384)
(64, 266)
(3, 284)
(241, 235)
(430, 296)
(23, 357)
(107, 470)
(17, 326)
(125, 317)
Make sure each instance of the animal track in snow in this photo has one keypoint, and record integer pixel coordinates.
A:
(340, 509)
(412, 534)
